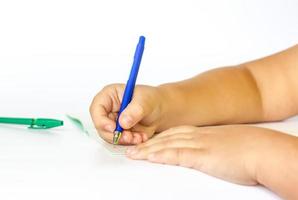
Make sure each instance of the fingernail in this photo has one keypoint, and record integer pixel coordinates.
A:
(127, 120)
(152, 157)
(109, 128)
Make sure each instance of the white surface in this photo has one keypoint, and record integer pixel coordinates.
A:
(55, 55)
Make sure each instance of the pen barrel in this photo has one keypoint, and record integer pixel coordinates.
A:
(22, 121)
(125, 101)
(118, 128)
(130, 85)
(128, 92)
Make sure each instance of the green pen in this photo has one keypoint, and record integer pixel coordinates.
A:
(38, 123)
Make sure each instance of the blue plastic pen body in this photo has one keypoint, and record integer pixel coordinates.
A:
(130, 85)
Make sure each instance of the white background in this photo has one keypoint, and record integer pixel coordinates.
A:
(55, 55)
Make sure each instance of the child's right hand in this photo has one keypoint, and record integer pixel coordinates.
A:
(140, 119)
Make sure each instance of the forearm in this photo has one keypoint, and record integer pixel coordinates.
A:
(277, 168)
(260, 90)
(221, 96)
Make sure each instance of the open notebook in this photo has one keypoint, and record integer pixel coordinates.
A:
(84, 123)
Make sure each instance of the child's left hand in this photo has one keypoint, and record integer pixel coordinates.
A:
(232, 153)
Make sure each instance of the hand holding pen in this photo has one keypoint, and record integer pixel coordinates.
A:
(140, 119)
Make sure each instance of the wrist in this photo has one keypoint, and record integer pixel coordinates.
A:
(276, 166)
(171, 102)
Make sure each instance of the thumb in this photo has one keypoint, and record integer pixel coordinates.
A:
(132, 114)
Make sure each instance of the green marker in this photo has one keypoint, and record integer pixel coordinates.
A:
(38, 123)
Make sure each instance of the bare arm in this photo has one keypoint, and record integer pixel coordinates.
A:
(261, 90)
(276, 77)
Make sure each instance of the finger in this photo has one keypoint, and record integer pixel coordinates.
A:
(113, 116)
(176, 130)
(133, 136)
(142, 153)
(136, 135)
(145, 132)
(156, 140)
(100, 108)
(186, 157)
(137, 138)
(144, 137)
(129, 138)
(126, 138)
(133, 113)
(101, 120)
(107, 136)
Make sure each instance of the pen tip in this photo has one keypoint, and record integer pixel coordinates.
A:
(116, 138)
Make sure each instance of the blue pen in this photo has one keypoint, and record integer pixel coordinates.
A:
(130, 85)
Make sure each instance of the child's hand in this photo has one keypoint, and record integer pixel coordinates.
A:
(234, 153)
(140, 119)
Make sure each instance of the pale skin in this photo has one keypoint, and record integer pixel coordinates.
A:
(258, 91)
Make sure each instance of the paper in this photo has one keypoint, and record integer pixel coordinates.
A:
(85, 124)
(115, 149)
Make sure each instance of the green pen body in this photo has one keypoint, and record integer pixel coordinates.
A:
(21, 121)
(38, 123)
